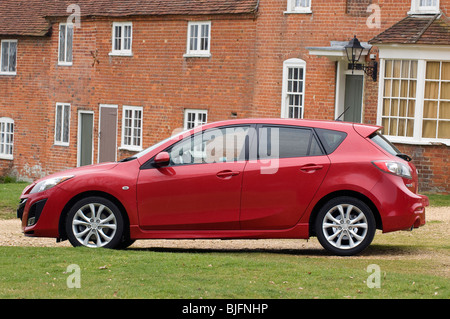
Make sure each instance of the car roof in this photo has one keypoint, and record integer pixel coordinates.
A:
(363, 129)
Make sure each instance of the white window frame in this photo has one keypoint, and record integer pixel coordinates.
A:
(292, 63)
(197, 115)
(298, 6)
(6, 138)
(132, 146)
(417, 8)
(121, 51)
(65, 61)
(422, 54)
(1, 58)
(59, 138)
(197, 52)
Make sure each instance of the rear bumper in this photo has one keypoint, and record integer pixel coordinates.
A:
(399, 207)
(407, 213)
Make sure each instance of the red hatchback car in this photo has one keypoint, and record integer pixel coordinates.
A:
(266, 178)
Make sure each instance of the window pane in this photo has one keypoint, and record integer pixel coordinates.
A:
(127, 37)
(445, 72)
(118, 38)
(444, 129)
(66, 123)
(194, 37)
(58, 123)
(12, 56)
(445, 90)
(204, 45)
(287, 142)
(62, 42)
(433, 70)
(69, 43)
(429, 129)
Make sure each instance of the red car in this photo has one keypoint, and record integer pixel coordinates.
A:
(266, 178)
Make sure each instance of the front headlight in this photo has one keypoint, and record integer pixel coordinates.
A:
(49, 183)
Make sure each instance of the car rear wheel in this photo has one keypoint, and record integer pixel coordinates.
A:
(95, 222)
(345, 226)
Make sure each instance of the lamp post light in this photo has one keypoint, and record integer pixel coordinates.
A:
(354, 50)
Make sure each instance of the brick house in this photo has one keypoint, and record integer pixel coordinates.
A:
(100, 80)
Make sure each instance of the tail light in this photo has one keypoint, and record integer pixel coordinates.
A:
(395, 168)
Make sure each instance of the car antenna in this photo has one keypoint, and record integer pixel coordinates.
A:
(339, 117)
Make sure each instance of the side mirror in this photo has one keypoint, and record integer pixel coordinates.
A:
(162, 159)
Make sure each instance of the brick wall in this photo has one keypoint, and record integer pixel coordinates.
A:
(243, 76)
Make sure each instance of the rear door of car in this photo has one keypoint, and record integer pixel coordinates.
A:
(282, 178)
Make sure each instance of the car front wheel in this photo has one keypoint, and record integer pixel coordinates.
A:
(345, 226)
(95, 222)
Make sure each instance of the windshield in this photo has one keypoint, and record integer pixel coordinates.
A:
(151, 148)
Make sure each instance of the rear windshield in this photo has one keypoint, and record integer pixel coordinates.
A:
(382, 142)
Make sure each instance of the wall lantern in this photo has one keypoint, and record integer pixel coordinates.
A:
(354, 50)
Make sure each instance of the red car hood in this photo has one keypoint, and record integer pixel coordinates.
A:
(81, 170)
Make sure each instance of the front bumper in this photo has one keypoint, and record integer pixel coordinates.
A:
(40, 213)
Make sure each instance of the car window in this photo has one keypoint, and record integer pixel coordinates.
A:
(331, 139)
(285, 142)
(215, 145)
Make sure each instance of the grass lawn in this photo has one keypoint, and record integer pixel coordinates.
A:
(149, 273)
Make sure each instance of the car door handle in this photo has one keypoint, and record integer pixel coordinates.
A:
(310, 168)
(227, 174)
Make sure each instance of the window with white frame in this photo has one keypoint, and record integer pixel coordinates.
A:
(298, 6)
(292, 105)
(132, 128)
(122, 38)
(62, 124)
(6, 138)
(198, 39)
(65, 43)
(436, 107)
(424, 7)
(193, 118)
(415, 103)
(8, 57)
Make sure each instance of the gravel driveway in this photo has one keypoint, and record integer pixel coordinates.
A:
(11, 235)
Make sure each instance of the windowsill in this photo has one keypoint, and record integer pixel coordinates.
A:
(8, 73)
(64, 63)
(120, 53)
(6, 157)
(429, 11)
(61, 144)
(130, 148)
(410, 141)
(302, 11)
(197, 55)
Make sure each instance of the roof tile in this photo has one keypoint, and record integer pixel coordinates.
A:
(28, 17)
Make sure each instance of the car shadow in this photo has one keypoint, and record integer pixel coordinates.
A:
(373, 251)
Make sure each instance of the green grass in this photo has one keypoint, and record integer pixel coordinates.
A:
(9, 198)
(439, 200)
(168, 274)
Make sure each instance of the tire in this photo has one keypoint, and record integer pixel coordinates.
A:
(345, 226)
(95, 222)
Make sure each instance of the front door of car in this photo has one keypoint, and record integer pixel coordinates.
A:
(200, 188)
(278, 187)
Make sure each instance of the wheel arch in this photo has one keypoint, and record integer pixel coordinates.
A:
(327, 198)
(76, 198)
